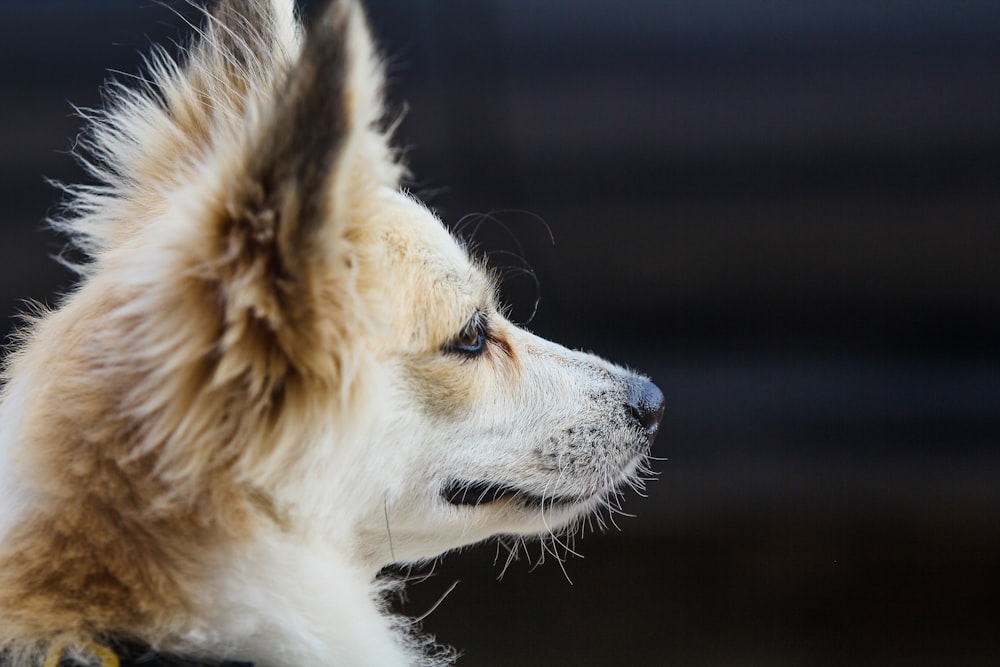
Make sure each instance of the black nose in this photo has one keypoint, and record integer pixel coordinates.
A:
(645, 402)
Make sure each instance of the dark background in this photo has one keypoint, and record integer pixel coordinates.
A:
(787, 213)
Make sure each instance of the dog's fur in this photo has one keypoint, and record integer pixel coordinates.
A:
(278, 374)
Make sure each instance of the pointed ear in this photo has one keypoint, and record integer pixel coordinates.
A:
(319, 141)
(281, 252)
(292, 163)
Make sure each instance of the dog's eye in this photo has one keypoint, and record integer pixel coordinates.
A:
(471, 340)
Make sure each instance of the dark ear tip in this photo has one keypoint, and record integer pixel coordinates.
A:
(334, 16)
(329, 31)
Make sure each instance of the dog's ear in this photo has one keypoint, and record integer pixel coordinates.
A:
(286, 192)
(223, 234)
(280, 237)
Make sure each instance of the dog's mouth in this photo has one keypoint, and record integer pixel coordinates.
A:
(464, 493)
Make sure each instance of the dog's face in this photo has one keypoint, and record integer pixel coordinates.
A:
(464, 425)
(479, 427)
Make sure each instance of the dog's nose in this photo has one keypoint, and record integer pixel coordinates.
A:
(645, 402)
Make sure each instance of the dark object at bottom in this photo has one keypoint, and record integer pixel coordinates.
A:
(137, 654)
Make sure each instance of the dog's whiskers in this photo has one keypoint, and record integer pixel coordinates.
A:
(522, 267)
(388, 530)
(419, 619)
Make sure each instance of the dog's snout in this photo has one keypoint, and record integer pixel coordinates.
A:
(645, 402)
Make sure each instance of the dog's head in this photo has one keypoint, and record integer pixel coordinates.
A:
(480, 427)
(290, 327)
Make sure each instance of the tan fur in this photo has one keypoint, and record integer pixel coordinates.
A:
(114, 539)
(132, 433)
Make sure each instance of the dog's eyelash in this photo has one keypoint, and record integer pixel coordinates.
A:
(472, 339)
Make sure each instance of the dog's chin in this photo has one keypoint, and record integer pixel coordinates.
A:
(481, 493)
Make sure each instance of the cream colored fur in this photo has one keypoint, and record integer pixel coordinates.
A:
(257, 396)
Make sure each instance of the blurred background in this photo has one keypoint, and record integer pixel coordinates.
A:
(787, 213)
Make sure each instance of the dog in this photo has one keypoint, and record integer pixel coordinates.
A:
(278, 374)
